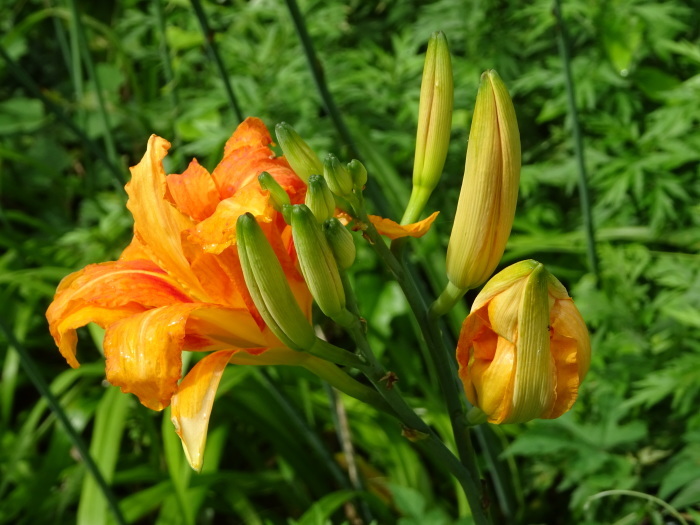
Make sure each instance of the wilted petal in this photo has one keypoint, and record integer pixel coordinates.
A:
(193, 401)
(394, 230)
(104, 293)
(193, 192)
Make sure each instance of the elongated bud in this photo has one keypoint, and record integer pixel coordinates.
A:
(300, 156)
(337, 176)
(524, 348)
(278, 196)
(319, 198)
(358, 172)
(341, 242)
(434, 124)
(489, 191)
(269, 288)
(317, 262)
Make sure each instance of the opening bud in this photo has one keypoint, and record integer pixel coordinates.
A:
(319, 198)
(269, 288)
(341, 242)
(278, 196)
(300, 156)
(358, 172)
(524, 348)
(317, 262)
(489, 191)
(434, 124)
(337, 176)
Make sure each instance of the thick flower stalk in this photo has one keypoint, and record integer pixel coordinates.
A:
(489, 193)
(524, 348)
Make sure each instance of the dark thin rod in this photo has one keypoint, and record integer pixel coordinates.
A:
(563, 41)
(213, 50)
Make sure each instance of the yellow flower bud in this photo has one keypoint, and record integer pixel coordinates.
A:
(434, 124)
(300, 156)
(317, 262)
(319, 199)
(269, 288)
(489, 191)
(341, 242)
(524, 348)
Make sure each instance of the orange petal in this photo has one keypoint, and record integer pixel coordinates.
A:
(193, 192)
(144, 353)
(246, 155)
(394, 230)
(104, 293)
(157, 223)
(218, 232)
(192, 404)
(134, 251)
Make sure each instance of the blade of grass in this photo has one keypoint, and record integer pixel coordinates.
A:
(90, 66)
(110, 419)
(213, 51)
(39, 382)
(167, 65)
(178, 468)
(563, 42)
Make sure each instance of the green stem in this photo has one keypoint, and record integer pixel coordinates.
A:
(449, 297)
(563, 42)
(633, 493)
(416, 204)
(213, 50)
(441, 356)
(468, 477)
(325, 350)
(346, 384)
(167, 64)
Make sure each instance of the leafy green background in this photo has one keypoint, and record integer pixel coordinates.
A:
(90, 81)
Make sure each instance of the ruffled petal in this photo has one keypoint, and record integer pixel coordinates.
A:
(218, 232)
(193, 192)
(157, 223)
(246, 155)
(192, 404)
(394, 230)
(104, 293)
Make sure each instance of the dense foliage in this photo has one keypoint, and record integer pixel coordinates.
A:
(83, 85)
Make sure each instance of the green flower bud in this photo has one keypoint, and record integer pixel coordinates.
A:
(278, 196)
(319, 198)
(337, 176)
(341, 242)
(358, 172)
(317, 262)
(269, 288)
(300, 156)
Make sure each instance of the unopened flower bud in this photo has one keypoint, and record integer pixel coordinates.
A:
(317, 262)
(269, 288)
(341, 242)
(300, 156)
(337, 176)
(358, 172)
(524, 348)
(319, 198)
(489, 191)
(278, 197)
(434, 124)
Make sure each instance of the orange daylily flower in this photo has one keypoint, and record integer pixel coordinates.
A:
(179, 285)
